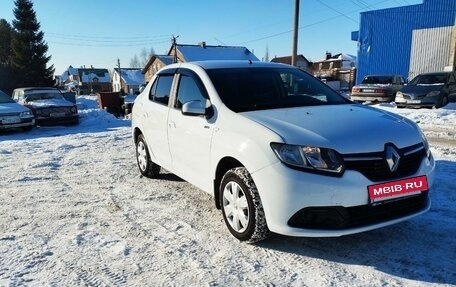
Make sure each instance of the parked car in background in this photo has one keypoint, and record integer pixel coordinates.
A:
(377, 88)
(433, 90)
(13, 115)
(48, 106)
(280, 151)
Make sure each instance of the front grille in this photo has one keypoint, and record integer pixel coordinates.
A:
(339, 217)
(375, 167)
(55, 110)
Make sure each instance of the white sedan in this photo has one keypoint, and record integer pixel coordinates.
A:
(280, 151)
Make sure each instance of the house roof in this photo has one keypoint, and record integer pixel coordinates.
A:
(87, 74)
(131, 76)
(94, 75)
(167, 60)
(346, 59)
(287, 59)
(203, 52)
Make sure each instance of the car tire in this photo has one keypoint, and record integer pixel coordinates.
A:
(241, 206)
(146, 166)
(444, 102)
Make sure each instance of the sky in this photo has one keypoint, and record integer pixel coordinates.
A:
(97, 33)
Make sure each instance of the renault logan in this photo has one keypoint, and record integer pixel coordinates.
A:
(280, 151)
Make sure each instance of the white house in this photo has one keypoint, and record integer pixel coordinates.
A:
(130, 81)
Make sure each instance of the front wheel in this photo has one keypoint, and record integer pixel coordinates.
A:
(146, 166)
(241, 206)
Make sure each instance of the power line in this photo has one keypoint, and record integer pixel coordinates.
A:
(338, 12)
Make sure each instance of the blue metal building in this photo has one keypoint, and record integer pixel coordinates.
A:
(407, 40)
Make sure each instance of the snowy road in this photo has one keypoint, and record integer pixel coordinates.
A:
(75, 212)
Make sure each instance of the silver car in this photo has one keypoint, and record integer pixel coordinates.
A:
(13, 115)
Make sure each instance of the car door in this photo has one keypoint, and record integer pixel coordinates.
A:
(190, 136)
(155, 113)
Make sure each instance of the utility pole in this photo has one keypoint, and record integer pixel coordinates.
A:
(294, 55)
(175, 48)
(120, 75)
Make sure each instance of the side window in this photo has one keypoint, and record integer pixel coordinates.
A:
(160, 91)
(188, 90)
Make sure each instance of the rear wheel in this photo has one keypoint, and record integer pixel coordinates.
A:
(241, 206)
(146, 166)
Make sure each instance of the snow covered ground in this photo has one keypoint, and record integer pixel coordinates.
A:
(74, 211)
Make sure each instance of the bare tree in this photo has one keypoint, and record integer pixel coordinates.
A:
(134, 62)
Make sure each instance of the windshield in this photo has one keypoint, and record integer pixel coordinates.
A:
(383, 80)
(252, 89)
(429, 79)
(44, 95)
(4, 98)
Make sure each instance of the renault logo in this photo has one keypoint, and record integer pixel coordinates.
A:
(392, 158)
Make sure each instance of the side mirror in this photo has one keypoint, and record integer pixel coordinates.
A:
(193, 108)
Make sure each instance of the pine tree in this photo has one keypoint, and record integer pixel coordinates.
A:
(6, 77)
(28, 59)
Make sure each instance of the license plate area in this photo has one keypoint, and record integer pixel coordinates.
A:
(397, 189)
(11, 120)
(413, 101)
(368, 90)
(57, 115)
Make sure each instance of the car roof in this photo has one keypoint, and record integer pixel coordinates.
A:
(436, 73)
(382, 75)
(36, 88)
(222, 64)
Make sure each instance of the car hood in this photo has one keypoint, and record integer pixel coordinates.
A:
(9, 108)
(345, 128)
(50, 103)
(420, 89)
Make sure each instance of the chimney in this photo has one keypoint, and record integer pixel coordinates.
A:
(328, 55)
(202, 44)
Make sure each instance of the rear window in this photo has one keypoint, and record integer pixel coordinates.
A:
(382, 80)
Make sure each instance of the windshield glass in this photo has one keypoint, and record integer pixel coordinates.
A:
(429, 79)
(4, 98)
(383, 80)
(44, 95)
(249, 89)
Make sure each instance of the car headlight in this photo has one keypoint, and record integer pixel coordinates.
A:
(426, 144)
(309, 158)
(25, 114)
(433, 94)
(73, 110)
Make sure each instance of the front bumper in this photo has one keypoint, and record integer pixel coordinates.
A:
(371, 97)
(48, 121)
(25, 122)
(286, 193)
(425, 102)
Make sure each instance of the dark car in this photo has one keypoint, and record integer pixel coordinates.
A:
(377, 88)
(48, 105)
(432, 90)
(13, 115)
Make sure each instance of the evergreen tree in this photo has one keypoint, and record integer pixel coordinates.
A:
(28, 59)
(6, 77)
